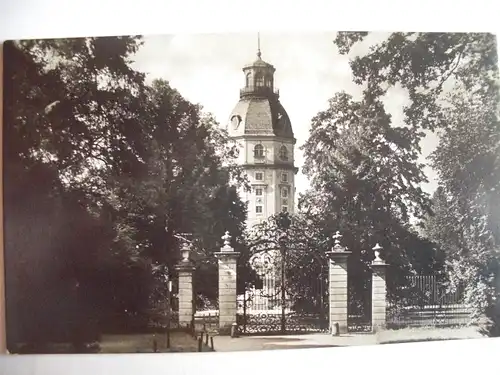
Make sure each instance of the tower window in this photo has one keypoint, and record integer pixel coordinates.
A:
(269, 81)
(258, 151)
(258, 192)
(258, 209)
(259, 80)
(284, 192)
(284, 177)
(283, 153)
(284, 209)
(284, 202)
(259, 176)
(248, 82)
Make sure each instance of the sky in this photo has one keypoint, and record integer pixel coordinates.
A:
(207, 69)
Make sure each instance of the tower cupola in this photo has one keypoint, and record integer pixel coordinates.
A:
(259, 111)
(259, 79)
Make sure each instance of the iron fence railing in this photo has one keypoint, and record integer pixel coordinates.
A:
(426, 300)
(258, 90)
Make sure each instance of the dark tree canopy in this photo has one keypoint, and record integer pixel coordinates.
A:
(452, 82)
(365, 180)
(423, 64)
(102, 171)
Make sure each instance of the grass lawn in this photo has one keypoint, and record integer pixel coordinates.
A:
(427, 334)
(130, 343)
(144, 343)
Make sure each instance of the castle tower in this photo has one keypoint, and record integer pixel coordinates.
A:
(263, 133)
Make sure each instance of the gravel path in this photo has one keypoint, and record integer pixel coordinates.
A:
(250, 343)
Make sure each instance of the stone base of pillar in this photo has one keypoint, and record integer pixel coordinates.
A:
(334, 329)
(229, 330)
(225, 328)
(377, 327)
(339, 328)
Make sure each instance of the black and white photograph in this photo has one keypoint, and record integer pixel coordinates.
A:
(250, 191)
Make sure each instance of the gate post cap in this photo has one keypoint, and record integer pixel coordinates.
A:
(378, 261)
(227, 242)
(337, 246)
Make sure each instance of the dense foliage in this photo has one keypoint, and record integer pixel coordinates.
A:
(102, 173)
(365, 182)
(452, 83)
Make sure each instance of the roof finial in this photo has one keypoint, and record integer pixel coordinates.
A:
(258, 46)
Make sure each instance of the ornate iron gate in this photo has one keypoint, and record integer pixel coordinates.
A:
(293, 299)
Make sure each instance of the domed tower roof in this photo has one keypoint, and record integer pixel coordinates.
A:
(259, 111)
(260, 116)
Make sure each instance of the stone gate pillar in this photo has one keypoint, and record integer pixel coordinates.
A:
(227, 259)
(338, 285)
(185, 271)
(379, 291)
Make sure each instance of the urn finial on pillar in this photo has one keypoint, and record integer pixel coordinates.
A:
(227, 242)
(376, 249)
(337, 246)
(185, 250)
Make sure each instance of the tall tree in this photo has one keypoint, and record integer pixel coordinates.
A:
(467, 204)
(183, 185)
(365, 181)
(426, 65)
(439, 224)
(110, 170)
(452, 82)
(52, 103)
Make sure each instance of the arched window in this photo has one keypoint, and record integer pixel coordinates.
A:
(283, 153)
(248, 82)
(259, 80)
(258, 151)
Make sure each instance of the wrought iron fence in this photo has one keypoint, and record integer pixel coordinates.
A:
(359, 308)
(164, 307)
(426, 300)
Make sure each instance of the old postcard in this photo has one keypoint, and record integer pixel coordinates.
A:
(229, 192)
